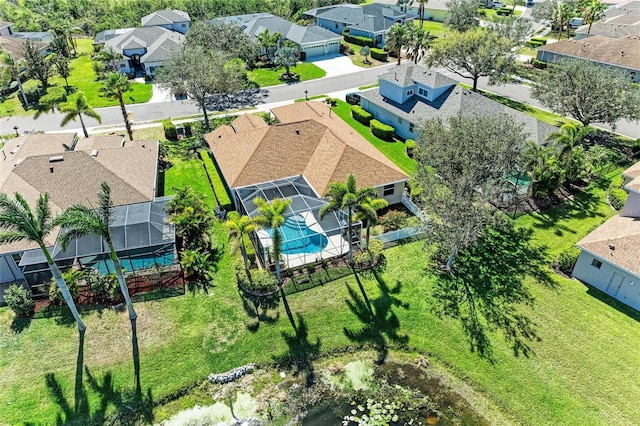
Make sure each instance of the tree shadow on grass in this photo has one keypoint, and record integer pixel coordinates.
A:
(20, 324)
(257, 308)
(583, 205)
(379, 323)
(301, 351)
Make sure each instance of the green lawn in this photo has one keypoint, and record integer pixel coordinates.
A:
(394, 150)
(435, 28)
(188, 172)
(264, 77)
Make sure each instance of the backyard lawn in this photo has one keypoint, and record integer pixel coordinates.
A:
(435, 28)
(264, 77)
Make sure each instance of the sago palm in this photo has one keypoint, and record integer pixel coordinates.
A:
(18, 222)
(75, 108)
(114, 87)
(78, 221)
(239, 226)
(347, 196)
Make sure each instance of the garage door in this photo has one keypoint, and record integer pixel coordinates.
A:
(333, 47)
(314, 51)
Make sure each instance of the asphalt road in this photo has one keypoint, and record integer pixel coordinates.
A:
(155, 111)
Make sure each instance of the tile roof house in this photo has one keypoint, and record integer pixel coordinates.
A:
(71, 172)
(372, 20)
(311, 39)
(298, 158)
(610, 256)
(409, 94)
(622, 53)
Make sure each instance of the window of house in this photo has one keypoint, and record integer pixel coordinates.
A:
(411, 127)
(596, 263)
(336, 25)
(409, 92)
(184, 25)
(423, 92)
(399, 120)
(388, 190)
(121, 65)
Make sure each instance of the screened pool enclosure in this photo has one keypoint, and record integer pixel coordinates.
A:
(305, 237)
(142, 236)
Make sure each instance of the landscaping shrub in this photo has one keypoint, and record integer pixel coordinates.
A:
(539, 64)
(379, 54)
(170, 131)
(99, 68)
(393, 220)
(504, 11)
(361, 115)
(262, 281)
(32, 94)
(332, 101)
(410, 147)
(567, 259)
(344, 48)
(104, 288)
(541, 40)
(359, 40)
(482, 12)
(19, 300)
(71, 278)
(617, 197)
(188, 132)
(534, 43)
(54, 96)
(303, 56)
(381, 130)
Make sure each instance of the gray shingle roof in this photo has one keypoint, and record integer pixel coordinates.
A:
(454, 101)
(628, 8)
(617, 26)
(159, 42)
(372, 17)
(164, 17)
(407, 74)
(105, 35)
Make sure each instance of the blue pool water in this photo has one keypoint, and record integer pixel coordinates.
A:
(138, 263)
(298, 238)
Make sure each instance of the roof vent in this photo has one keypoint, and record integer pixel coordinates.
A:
(50, 169)
(56, 159)
(94, 153)
(297, 131)
(122, 143)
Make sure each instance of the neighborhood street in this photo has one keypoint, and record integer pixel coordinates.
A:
(111, 116)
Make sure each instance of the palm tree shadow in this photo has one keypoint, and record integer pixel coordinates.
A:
(257, 308)
(301, 351)
(379, 323)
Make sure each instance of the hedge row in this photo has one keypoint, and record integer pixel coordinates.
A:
(504, 11)
(378, 54)
(359, 40)
(218, 187)
(542, 40)
(170, 131)
(359, 114)
(539, 64)
(534, 43)
(381, 130)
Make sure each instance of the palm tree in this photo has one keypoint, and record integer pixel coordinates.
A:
(567, 139)
(367, 211)
(114, 86)
(593, 11)
(418, 41)
(269, 40)
(396, 39)
(75, 108)
(18, 222)
(78, 221)
(286, 57)
(347, 196)
(272, 216)
(14, 69)
(421, 7)
(239, 226)
(109, 55)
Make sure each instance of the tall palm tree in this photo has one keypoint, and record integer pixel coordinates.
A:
(272, 216)
(567, 139)
(75, 108)
(418, 41)
(593, 11)
(114, 86)
(347, 196)
(396, 39)
(367, 211)
(14, 68)
(269, 40)
(18, 222)
(78, 221)
(239, 226)
(421, 7)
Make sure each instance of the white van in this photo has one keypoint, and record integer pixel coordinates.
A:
(576, 22)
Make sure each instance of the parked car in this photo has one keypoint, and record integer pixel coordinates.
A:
(529, 2)
(495, 5)
(353, 98)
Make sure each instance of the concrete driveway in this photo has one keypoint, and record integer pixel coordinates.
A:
(336, 64)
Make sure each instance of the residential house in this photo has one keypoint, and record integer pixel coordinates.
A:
(38, 36)
(609, 258)
(298, 158)
(614, 27)
(434, 10)
(71, 172)
(311, 39)
(104, 36)
(622, 53)
(15, 46)
(145, 49)
(372, 20)
(625, 8)
(174, 20)
(409, 94)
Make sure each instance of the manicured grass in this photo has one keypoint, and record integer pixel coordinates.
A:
(435, 28)
(572, 376)
(188, 172)
(218, 186)
(264, 77)
(394, 150)
(369, 86)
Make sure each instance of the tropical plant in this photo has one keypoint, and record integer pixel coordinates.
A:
(18, 222)
(286, 57)
(272, 217)
(114, 87)
(197, 264)
(592, 11)
(396, 39)
(72, 278)
(421, 8)
(567, 141)
(269, 40)
(365, 51)
(78, 221)
(18, 299)
(63, 67)
(75, 108)
(367, 212)
(348, 197)
(419, 41)
(108, 56)
(14, 68)
(542, 164)
(239, 226)
(191, 216)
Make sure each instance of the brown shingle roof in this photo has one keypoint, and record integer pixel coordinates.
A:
(633, 171)
(100, 142)
(15, 46)
(246, 122)
(623, 51)
(623, 233)
(322, 148)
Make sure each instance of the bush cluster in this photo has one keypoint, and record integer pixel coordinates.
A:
(535, 43)
(504, 11)
(381, 130)
(361, 115)
(567, 259)
(393, 220)
(541, 40)
(19, 300)
(359, 40)
(410, 147)
(170, 131)
(616, 195)
(379, 54)
(539, 64)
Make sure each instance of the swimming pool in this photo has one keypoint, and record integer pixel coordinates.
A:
(298, 238)
(139, 262)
